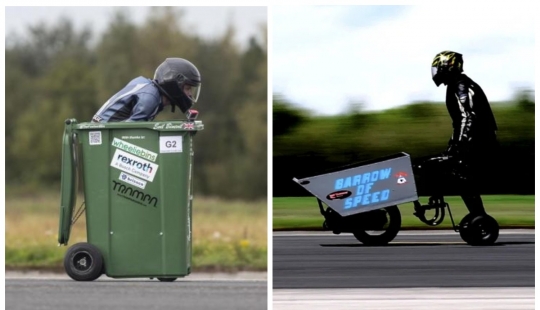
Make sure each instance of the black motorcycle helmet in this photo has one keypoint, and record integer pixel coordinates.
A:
(445, 65)
(180, 81)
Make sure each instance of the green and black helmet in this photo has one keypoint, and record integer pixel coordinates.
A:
(444, 65)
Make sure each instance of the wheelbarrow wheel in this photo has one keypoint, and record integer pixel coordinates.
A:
(167, 279)
(83, 262)
(464, 228)
(384, 234)
(484, 230)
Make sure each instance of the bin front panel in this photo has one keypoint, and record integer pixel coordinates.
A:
(365, 187)
(136, 202)
(137, 193)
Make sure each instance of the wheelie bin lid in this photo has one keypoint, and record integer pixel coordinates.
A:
(69, 181)
(158, 125)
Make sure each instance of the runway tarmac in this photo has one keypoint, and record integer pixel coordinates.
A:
(206, 291)
(418, 270)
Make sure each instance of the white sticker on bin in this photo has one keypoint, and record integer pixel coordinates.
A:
(134, 149)
(134, 165)
(170, 144)
(129, 179)
(94, 137)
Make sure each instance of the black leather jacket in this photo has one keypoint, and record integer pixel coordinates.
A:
(468, 106)
(473, 144)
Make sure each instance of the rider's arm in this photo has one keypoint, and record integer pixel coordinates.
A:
(463, 132)
(145, 109)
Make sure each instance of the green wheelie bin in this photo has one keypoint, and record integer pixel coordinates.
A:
(138, 192)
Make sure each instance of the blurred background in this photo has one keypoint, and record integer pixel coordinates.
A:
(356, 85)
(65, 62)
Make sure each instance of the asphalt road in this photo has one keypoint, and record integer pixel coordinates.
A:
(63, 293)
(412, 260)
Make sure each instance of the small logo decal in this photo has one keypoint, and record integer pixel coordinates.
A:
(338, 195)
(132, 180)
(401, 177)
(190, 126)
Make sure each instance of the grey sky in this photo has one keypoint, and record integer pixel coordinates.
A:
(208, 22)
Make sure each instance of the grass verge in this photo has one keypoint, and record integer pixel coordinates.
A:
(227, 235)
(302, 213)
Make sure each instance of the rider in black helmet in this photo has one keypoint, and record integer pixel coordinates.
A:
(180, 81)
(177, 82)
(472, 145)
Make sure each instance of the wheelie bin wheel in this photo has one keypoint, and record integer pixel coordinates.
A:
(484, 230)
(167, 279)
(83, 262)
(385, 234)
(464, 228)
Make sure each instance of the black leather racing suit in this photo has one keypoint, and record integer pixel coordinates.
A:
(472, 148)
(472, 119)
(139, 100)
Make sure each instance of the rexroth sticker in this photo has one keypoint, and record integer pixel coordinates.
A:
(134, 165)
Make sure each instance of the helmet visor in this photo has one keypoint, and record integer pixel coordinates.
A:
(434, 71)
(438, 77)
(191, 91)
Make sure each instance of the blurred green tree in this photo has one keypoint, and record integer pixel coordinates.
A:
(56, 74)
(50, 77)
(284, 116)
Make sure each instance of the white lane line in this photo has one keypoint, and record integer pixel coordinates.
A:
(401, 233)
(406, 298)
(206, 277)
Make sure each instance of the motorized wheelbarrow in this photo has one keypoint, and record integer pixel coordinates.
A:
(363, 199)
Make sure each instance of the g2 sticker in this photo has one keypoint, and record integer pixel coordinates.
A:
(170, 144)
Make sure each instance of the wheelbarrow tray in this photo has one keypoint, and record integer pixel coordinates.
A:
(364, 186)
